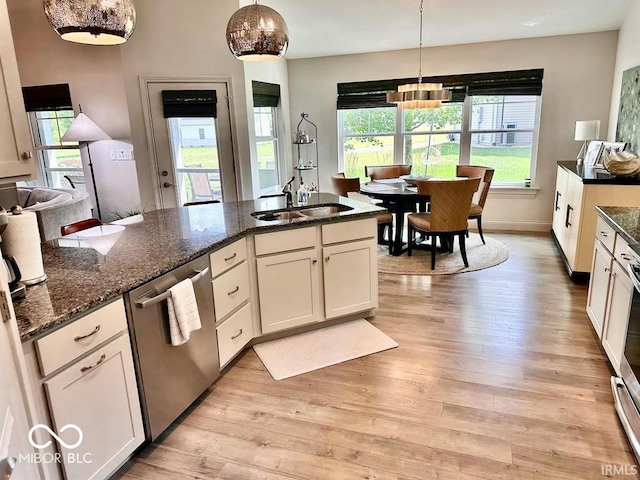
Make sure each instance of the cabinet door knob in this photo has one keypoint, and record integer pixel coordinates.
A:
(327, 258)
(26, 155)
(315, 260)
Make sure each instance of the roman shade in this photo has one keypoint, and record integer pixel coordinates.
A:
(373, 94)
(189, 103)
(47, 98)
(265, 94)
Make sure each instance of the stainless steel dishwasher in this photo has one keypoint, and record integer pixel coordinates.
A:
(171, 378)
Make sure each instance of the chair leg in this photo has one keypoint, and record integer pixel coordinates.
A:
(410, 234)
(390, 237)
(480, 229)
(433, 250)
(381, 228)
(463, 249)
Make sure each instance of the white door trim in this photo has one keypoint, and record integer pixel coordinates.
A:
(148, 126)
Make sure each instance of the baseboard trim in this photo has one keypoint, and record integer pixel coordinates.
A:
(500, 225)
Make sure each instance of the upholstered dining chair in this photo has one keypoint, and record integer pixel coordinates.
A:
(477, 205)
(450, 202)
(380, 172)
(346, 186)
(78, 226)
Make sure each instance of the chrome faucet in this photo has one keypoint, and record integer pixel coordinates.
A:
(287, 191)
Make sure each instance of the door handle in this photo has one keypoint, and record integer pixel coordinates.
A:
(168, 185)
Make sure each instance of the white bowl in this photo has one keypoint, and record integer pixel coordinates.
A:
(101, 238)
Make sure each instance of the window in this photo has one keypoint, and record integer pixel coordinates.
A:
(267, 147)
(56, 159)
(500, 132)
(492, 119)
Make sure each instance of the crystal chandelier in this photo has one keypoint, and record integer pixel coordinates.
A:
(419, 95)
(93, 22)
(257, 33)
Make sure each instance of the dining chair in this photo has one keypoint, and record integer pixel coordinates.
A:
(199, 202)
(345, 186)
(78, 226)
(381, 172)
(450, 202)
(479, 199)
(200, 185)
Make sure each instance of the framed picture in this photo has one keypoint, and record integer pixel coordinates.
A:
(610, 147)
(594, 152)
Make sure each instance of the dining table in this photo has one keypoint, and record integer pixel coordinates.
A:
(399, 198)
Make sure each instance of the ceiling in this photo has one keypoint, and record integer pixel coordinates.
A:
(320, 28)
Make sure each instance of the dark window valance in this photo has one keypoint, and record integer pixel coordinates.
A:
(265, 94)
(189, 103)
(47, 98)
(372, 94)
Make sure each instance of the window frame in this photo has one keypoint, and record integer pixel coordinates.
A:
(44, 170)
(275, 138)
(465, 133)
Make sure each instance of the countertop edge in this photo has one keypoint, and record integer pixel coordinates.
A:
(612, 223)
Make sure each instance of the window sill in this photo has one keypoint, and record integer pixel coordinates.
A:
(513, 192)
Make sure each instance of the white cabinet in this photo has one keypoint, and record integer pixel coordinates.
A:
(599, 287)
(610, 291)
(288, 289)
(15, 140)
(98, 394)
(617, 317)
(575, 216)
(234, 334)
(350, 278)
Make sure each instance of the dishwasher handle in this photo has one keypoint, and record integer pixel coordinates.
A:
(163, 296)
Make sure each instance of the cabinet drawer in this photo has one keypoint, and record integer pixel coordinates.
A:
(234, 334)
(228, 257)
(77, 338)
(621, 252)
(230, 290)
(285, 241)
(606, 234)
(347, 231)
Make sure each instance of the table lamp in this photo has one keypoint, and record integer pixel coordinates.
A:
(84, 130)
(586, 130)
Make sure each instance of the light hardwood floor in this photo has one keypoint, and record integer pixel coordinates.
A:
(498, 376)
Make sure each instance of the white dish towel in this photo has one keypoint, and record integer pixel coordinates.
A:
(183, 312)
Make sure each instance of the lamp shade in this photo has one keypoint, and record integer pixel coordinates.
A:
(587, 130)
(257, 33)
(93, 22)
(84, 130)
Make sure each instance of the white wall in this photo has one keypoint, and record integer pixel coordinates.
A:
(96, 81)
(270, 72)
(628, 56)
(578, 76)
(173, 41)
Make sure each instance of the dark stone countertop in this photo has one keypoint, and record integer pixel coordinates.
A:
(80, 279)
(592, 175)
(624, 220)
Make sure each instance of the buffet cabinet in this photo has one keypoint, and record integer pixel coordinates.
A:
(575, 217)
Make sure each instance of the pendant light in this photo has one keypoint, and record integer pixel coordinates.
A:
(419, 95)
(93, 22)
(257, 33)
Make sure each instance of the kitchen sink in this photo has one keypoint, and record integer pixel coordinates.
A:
(300, 212)
(273, 215)
(324, 210)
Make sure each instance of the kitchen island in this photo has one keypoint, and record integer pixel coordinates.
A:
(80, 279)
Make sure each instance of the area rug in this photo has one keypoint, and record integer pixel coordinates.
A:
(305, 352)
(480, 257)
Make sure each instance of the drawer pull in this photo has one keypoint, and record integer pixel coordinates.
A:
(604, 234)
(626, 257)
(232, 257)
(91, 367)
(237, 335)
(82, 337)
(235, 290)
